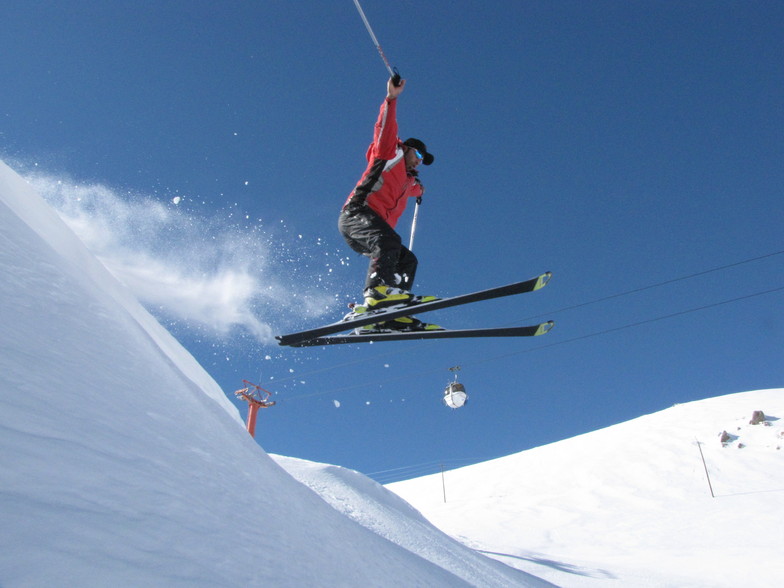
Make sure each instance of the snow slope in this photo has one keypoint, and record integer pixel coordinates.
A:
(378, 509)
(123, 463)
(630, 505)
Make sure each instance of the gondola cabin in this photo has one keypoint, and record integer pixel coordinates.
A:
(455, 395)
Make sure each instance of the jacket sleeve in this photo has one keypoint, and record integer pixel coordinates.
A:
(385, 132)
(415, 190)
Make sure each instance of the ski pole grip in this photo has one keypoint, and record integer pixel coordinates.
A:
(395, 77)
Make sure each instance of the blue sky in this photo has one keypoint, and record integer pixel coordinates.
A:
(619, 145)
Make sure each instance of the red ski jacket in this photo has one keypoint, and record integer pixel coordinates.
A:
(386, 185)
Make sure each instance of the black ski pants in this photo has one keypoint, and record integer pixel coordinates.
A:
(391, 263)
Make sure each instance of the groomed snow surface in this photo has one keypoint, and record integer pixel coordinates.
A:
(631, 505)
(122, 463)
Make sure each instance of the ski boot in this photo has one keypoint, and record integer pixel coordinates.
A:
(382, 296)
(403, 324)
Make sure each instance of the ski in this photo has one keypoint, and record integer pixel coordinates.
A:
(375, 316)
(531, 331)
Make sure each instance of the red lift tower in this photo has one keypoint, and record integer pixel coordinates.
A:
(256, 397)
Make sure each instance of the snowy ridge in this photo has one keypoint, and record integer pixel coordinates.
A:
(631, 502)
(376, 508)
(23, 202)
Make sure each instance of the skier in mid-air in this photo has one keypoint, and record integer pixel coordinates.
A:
(367, 222)
(369, 215)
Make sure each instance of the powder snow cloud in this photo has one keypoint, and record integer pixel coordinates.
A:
(204, 269)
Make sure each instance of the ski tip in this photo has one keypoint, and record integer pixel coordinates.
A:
(544, 328)
(543, 280)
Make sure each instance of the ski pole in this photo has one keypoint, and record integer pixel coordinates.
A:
(392, 70)
(414, 224)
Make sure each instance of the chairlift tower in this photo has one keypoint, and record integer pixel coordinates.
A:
(256, 397)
